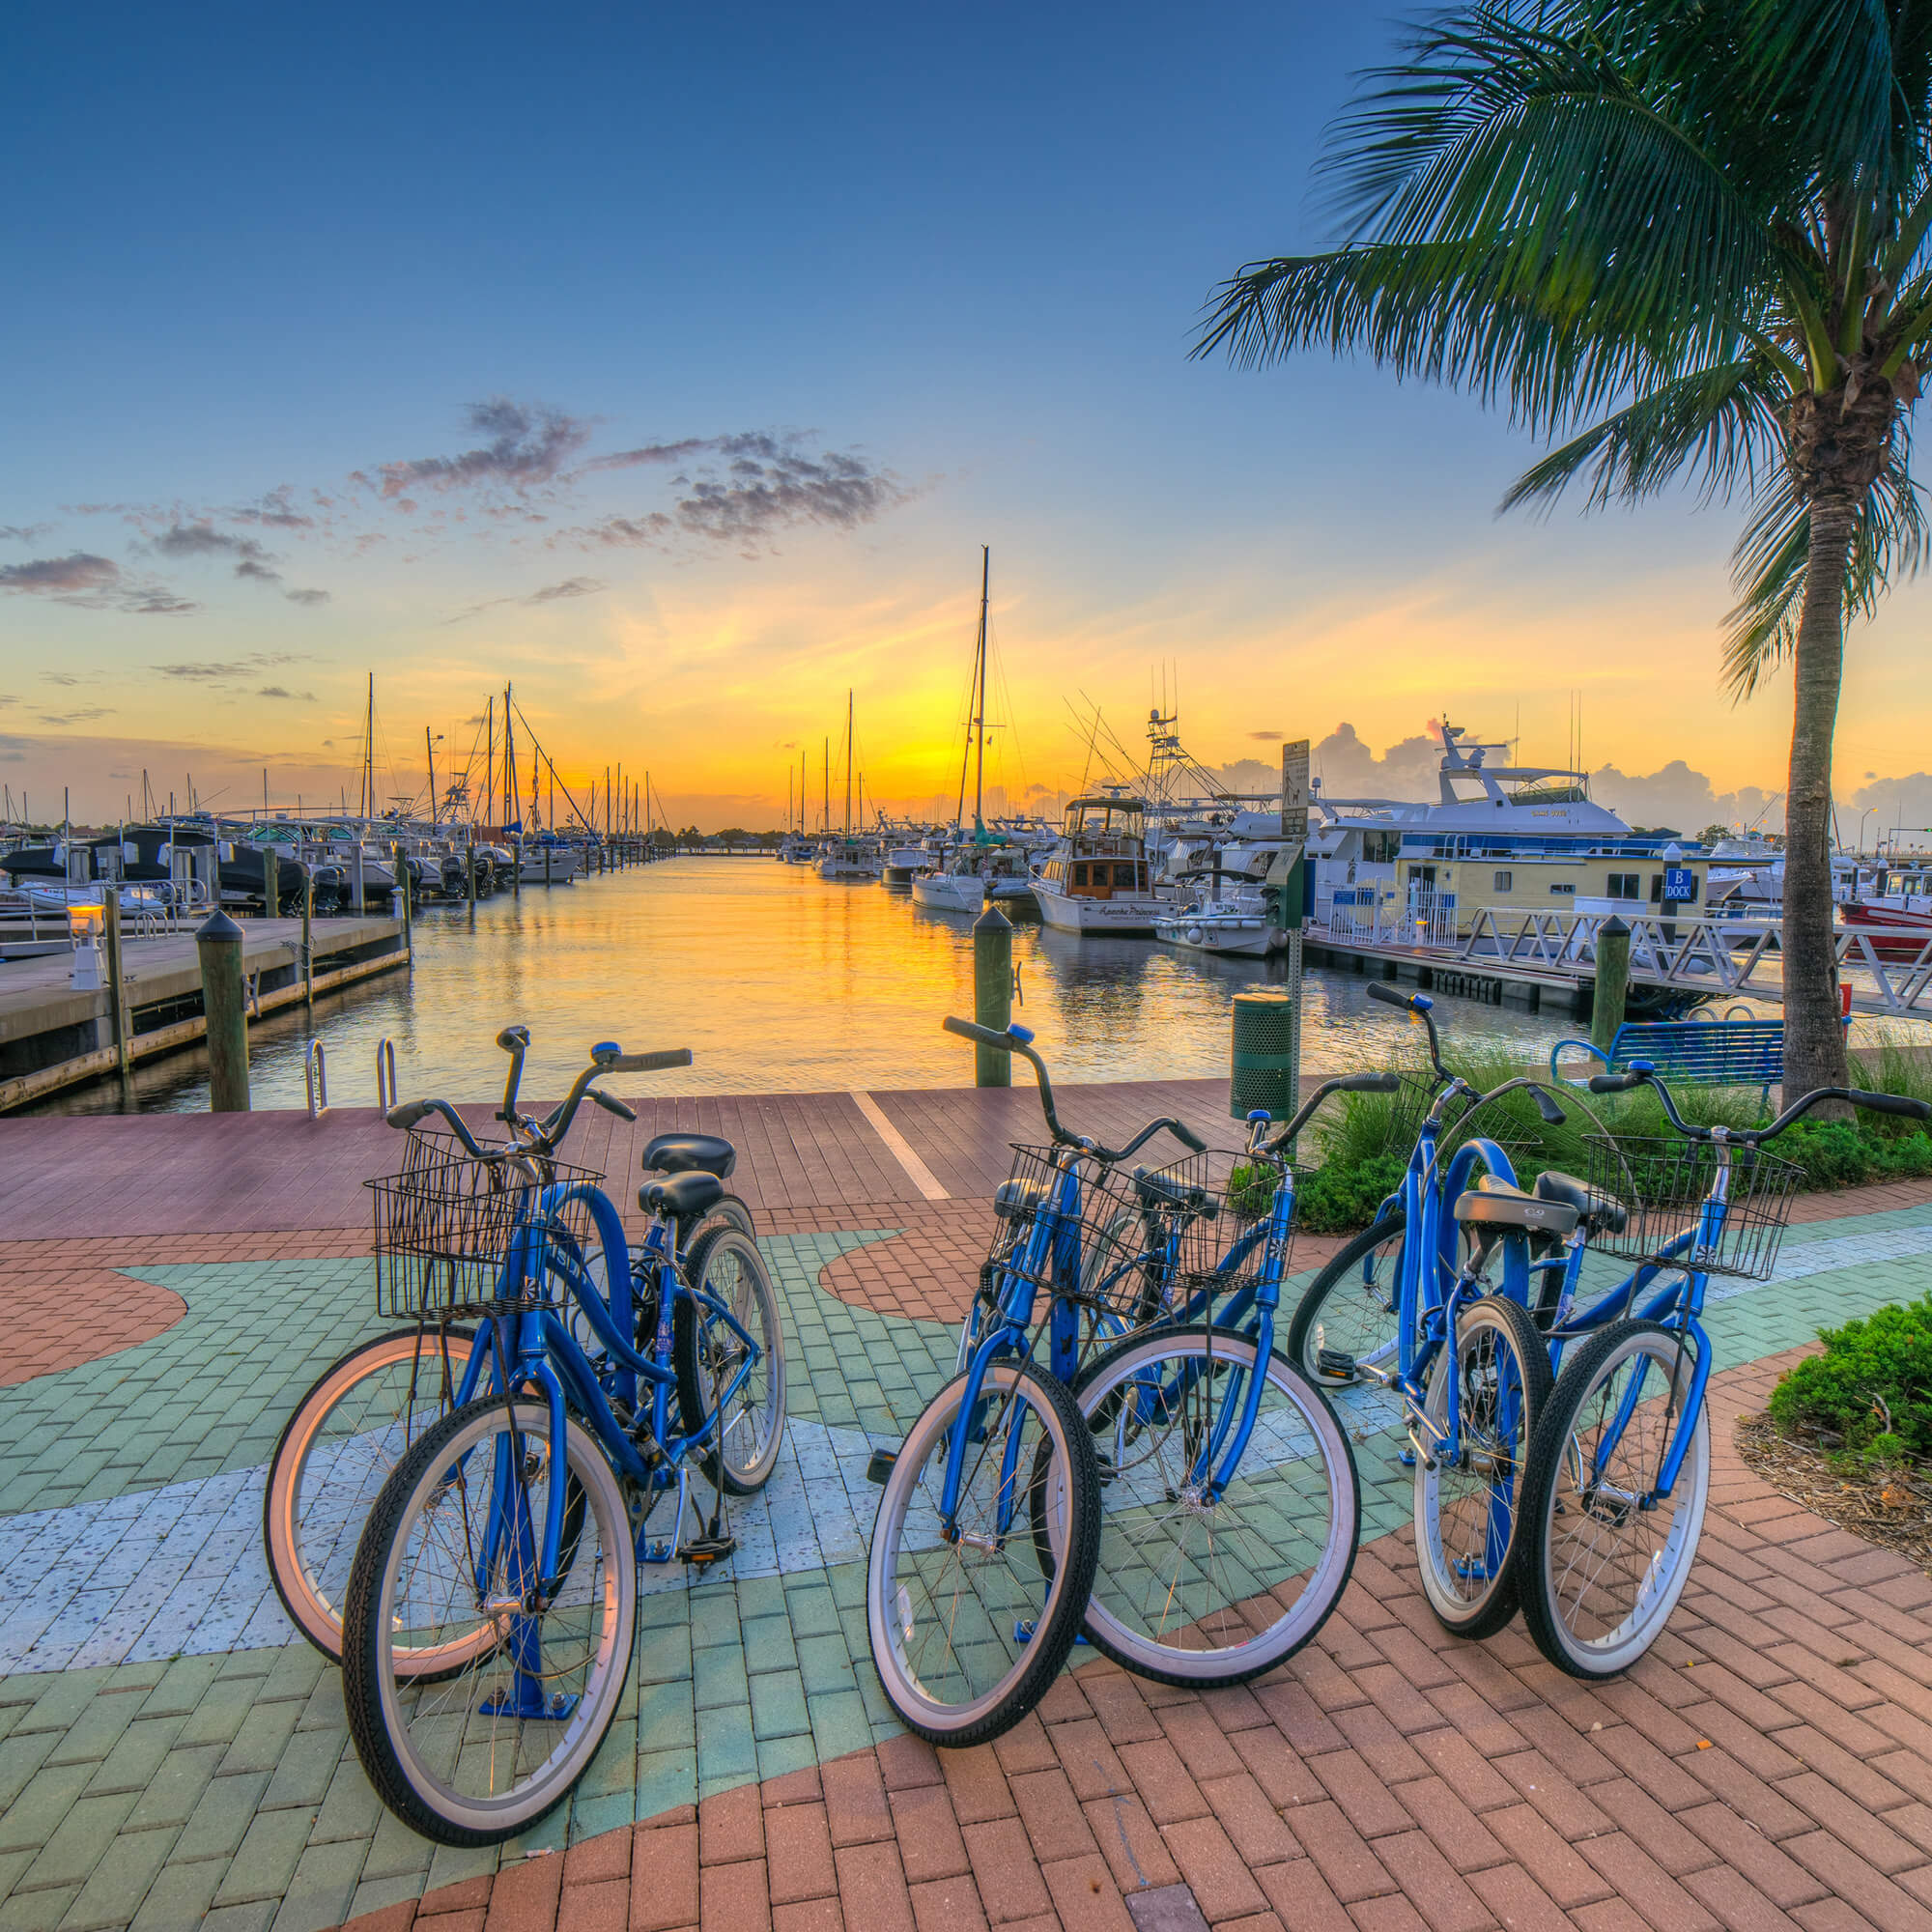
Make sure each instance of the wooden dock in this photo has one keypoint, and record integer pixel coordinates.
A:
(55, 1034)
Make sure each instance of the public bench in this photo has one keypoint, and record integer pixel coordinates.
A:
(1711, 1053)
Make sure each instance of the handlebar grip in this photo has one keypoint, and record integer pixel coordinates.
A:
(1000, 1042)
(612, 1105)
(1614, 1083)
(512, 1037)
(1187, 1137)
(648, 1062)
(408, 1114)
(1367, 1083)
(1387, 995)
(1546, 1105)
(1890, 1103)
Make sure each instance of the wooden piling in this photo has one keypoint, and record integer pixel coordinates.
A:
(1611, 992)
(992, 993)
(225, 1000)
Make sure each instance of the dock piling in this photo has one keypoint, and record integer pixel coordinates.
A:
(992, 993)
(117, 985)
(1611, 992)
(225, 1000)
(271, 882)
(307, 961)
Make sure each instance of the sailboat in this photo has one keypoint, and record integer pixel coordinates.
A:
(849, 860)
(983, 864)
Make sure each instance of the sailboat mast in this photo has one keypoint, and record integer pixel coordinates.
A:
(825, 812)
(429, 751)
(490, 761)
(980, 709)
(848, 763)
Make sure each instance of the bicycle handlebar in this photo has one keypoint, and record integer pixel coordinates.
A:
(1643, 1073)
(1347, 1083)
(1016, 1040)
(1423, 1007)
(412, 1113)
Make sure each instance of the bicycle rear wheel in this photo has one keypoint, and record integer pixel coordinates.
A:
(970, 1618)
(357, 1421)
(708, 1353)
(449, 1559)
(1202, 1589)
(1606, 1558)
(1469, 1515)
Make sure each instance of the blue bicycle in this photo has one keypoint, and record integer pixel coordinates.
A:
(1432, 1307)
(1619, 1465)
(488, 1623)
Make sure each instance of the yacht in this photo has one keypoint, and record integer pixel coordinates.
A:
(1233, 919)
(1097, 877)
(975, 875)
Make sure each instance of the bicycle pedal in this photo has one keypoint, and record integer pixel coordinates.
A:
(703, 1550)
(1024, 1629)
(1335, 1362)
(880, 1468)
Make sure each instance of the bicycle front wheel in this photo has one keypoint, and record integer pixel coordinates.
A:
(1469, 1516)
(357, 1421)
(452, 1558)
(1198, 1586)
(971, 1615)
(709, 1355)
(1606, 1557)
(1349, 1312)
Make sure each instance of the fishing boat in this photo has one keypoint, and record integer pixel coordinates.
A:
(1894, 912)
(1233, 920)
(976, 874)
(1098, 878)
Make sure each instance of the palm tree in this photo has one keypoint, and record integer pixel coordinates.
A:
(1685, 240)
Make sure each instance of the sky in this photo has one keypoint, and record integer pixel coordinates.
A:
(671, 366)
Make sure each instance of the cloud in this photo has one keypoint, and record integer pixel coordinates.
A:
(8, 698)
(262, 572)
(84, 716)
(61, 677)
(306, 596)
(526, 446)
(22, 532)
(203, 539)
(214, 670)
(1267, 734)
(91, 584)
(571, 587)
(754, 484)
(275, 509)
(293, 697)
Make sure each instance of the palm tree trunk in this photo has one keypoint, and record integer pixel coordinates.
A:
(1814, 1040)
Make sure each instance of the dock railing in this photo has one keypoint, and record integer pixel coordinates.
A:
(1888, 969)
(1358, 915)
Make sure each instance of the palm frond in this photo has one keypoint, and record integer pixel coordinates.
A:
(1714, 422)
(1889, 541)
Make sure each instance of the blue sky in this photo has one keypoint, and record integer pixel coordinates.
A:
(947, 258)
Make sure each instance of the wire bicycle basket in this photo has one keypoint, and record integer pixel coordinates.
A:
(1663, 1183)
(1148, 1241)
(458, 1238)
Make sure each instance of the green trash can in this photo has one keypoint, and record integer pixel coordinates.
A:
(1264, 1055)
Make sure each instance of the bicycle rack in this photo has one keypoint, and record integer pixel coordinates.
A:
(385, 1074)
(315, 1079)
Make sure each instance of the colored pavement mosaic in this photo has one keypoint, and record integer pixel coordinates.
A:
(169, 1755)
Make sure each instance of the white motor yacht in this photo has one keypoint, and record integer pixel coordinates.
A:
(1096, 879)
(1235, 922)
(973, 876)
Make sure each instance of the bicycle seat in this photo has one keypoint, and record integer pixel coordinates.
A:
(1593, 1209)
(1495, 1204)
(683, 1196)
(685, 1153)
(1154, 1190)
(1019, 1200)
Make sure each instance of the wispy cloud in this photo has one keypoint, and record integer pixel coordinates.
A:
(93, 584)
(215, 670)
(550, 593)
(293, 697)
(254, 562)
(274, 508)
(1267, 734)
(526, 446)
(306, 596)
(747, 488)
(22, 532)
(82, 717)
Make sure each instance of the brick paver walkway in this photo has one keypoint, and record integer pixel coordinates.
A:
(169, 1757)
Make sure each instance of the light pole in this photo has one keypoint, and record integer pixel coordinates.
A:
(1870, 812)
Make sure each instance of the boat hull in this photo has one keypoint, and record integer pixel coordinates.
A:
(1242, 938)
(950, 892)
(1892, 933)
(1124, 916)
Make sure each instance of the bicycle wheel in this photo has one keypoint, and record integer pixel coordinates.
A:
(357, 1421)
(1349, 1308)
(449, 1558)
(708, 1353)
(968, 1623)
(1604, 1558)
(1468, 1513)
(1199, 1590)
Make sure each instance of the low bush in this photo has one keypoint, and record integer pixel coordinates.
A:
(1868, 1397)
(1343, 1195)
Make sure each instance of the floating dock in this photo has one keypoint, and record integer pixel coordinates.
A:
(55, 1034)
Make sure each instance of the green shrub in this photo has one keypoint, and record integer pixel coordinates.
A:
(1344, 1195)
(1871, 1388)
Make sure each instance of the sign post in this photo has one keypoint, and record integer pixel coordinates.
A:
(1286, 885)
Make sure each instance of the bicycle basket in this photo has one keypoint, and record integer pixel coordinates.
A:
(445, 1225)
(1223, 1241)
(1663, 1183)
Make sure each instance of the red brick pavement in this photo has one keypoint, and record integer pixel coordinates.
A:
(1766, 1765)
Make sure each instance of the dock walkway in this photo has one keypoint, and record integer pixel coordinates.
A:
(169, 1757)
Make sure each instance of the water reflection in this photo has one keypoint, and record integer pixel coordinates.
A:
(776, 979)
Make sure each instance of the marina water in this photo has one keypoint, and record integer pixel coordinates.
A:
(776, 979)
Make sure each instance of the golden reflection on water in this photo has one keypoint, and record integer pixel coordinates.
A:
(777, 980)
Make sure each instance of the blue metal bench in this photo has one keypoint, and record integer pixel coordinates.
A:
(1715, 1053)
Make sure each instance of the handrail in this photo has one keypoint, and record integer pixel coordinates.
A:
(385, 1074)
(315, 1078)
